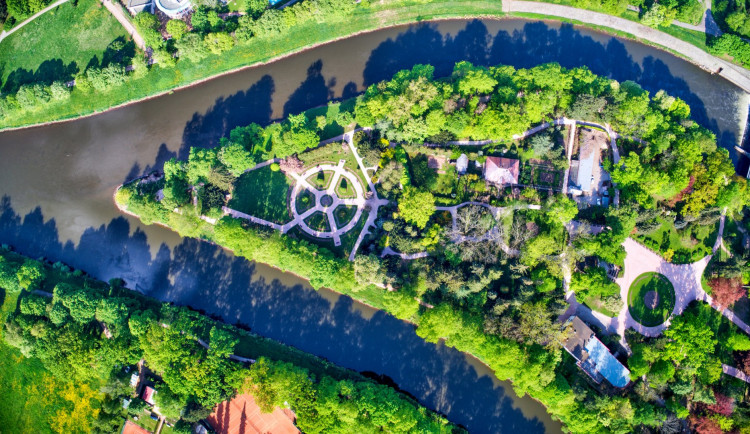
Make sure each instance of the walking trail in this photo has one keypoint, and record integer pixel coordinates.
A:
(116, 10)
(735, 74)
(327, 199)
(4, 34)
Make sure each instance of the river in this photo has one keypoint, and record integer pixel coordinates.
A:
(57, 183)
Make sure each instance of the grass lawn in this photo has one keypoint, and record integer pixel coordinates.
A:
(321, 179)
(145, 421)
(595, 303)
(643, 285)
(688, 244)
(305, 200)
(59, 44)
(345, 189)
(33, 399)
(262, 193)
(343, 214)
(332, 153)
(318, 222)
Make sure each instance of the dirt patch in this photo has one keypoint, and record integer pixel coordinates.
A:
(651, 300)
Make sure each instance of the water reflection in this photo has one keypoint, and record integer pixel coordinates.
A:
(58, 182)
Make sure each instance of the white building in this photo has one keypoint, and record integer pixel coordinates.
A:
(462, 164)
(174, 8)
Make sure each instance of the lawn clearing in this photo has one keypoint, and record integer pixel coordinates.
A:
(343, 214)
(651, 299)
(345, 189)
(61, 43)
(318, 222)
(320, 179)
(687, 245)
(305, 200)
(595, 303)
(262, 193)
(36, 401)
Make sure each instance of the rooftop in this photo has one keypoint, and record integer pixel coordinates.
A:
(242, 415)
(131, 428)
(502, 171)
(593, 357)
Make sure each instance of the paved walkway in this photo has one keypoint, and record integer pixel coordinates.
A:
(735, 74)
(4, 34)
(686, 279)
(373, 203)
(736, 373)
(330, 193)
(116, 10)
(706, 25)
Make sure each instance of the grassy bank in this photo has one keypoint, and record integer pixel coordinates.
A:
(257, 51)
(60, 44)
(33, 399)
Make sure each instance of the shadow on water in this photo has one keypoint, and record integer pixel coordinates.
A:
(242, 108)
(203, 276)
(535, 43)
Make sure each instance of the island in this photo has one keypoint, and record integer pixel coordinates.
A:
(583, 238)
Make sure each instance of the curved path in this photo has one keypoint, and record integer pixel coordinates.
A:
(5, 34)
(735, 74)
(303, 184)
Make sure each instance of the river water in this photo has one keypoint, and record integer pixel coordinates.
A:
(57, 183)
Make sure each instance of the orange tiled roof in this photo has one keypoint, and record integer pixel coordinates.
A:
(131, 428)
(242, 415)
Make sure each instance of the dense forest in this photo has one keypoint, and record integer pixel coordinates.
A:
(85, 330)
(477, 297)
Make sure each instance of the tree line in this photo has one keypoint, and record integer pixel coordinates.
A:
(499, 306)
(83, 329)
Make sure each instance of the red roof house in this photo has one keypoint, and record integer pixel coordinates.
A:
(148, 394)
(242, 415)
(501, 171)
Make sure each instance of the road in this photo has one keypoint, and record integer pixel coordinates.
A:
(733, 73)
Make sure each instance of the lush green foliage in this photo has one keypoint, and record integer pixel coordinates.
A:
(190, 353)
(500, 305)
(638, 299)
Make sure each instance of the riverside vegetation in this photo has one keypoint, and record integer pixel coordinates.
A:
(85, 332)
(205, 44)
(499, 304)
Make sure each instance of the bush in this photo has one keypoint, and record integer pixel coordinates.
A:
(731, 45)
(177, 28)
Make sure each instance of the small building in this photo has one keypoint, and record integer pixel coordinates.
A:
(148, 394)
(137, 6)
(593, 357)
(589, 157)
(242, 415)
(501, 171)
(126, 403)
(174, 8)
(131, 428)
(462, 164)
(134, 379)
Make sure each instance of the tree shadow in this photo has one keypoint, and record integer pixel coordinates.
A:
(48, 72)
(314, 91)
(533, 44)
(206, 277)
(240, 109)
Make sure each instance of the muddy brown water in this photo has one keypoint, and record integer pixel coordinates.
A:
(57, 183)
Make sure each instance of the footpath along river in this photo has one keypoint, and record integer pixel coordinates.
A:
(57, 182)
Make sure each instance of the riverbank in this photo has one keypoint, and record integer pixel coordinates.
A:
(160, 81)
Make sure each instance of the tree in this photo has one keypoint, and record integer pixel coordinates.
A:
(726, 292)
(561, 210)
(30, 274)
(416, 206)
(691, 346)
(191, 47)
(177, 28)
(219, 42)
(543, 146)
(659, 15)
(368, 270)
(236, 158)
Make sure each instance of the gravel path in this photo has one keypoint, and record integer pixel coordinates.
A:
(116, 10)
(735, 74)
